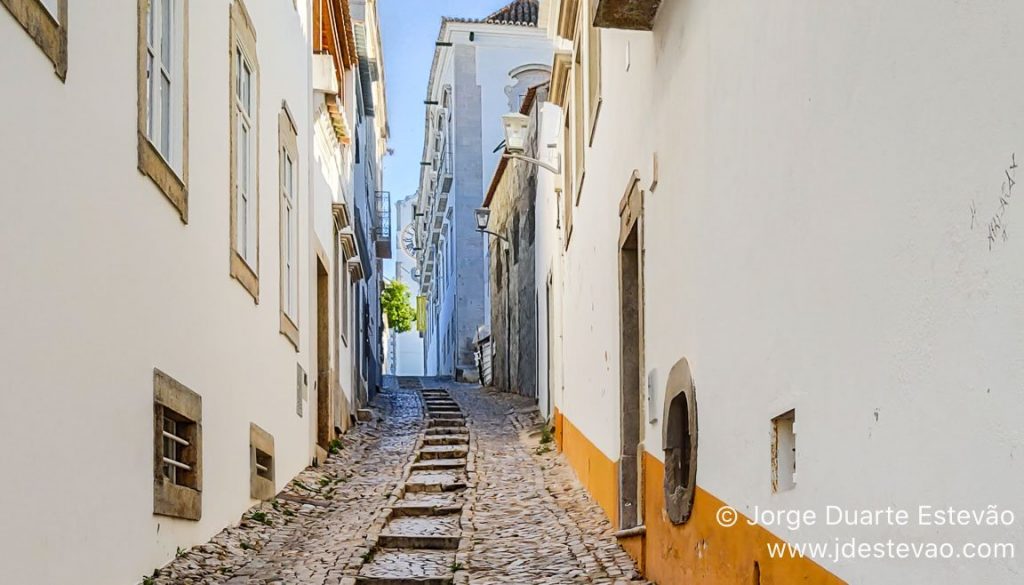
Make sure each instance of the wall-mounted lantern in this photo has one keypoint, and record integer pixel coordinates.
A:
(483, 217)
(517, 127)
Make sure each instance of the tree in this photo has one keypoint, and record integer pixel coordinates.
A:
(396, 302)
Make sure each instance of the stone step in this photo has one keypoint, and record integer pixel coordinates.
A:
(438, 464)
(446, 440)
(442, 452)
(412, 509)
(421, 487)
(433, 408)
(448, 431)
(447, 525)
(408, 567)
(446, 415)
(446, 422)
(443, 580)
(418, 541)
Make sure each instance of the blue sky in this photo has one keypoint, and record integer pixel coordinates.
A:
(409, 29)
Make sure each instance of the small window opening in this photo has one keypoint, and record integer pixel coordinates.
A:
(178, 453)
(264, 465)
(680, 460)
(784, 452)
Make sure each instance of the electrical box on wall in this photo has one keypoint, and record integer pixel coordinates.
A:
(301, 389)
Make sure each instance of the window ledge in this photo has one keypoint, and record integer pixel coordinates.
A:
(245, 276)
(51, 36)
(154, 166)
(176, 501)
(290, 330)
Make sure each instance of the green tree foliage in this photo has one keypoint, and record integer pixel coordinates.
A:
(396, 302)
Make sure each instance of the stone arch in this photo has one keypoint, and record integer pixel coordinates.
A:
(679, 440)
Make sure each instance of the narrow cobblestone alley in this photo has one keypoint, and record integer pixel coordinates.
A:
(450, 484)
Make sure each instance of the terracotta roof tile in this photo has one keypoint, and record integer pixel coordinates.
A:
(518, 12)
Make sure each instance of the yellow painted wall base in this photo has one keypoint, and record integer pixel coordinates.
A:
(700, 551)
(595, 471)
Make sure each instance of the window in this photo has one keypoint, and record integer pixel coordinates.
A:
(261, 464)
(163, 98)
(45, 21)
(578, 123)
(244, 145)
(568, 198)
(289, 233)
(679, 438)
(593, 77)
(784, 452)
(343, 276)
(177, 447)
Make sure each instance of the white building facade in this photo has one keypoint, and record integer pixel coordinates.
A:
(166, 259)
(481, 69)
(785, 280)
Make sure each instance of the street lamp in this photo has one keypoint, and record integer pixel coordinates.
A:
(516, 128)
(483, 217)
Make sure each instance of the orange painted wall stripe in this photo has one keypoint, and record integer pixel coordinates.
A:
(595, 471)
(700, 551)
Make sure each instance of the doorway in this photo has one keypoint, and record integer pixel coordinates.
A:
(323, 359)
(631, 358)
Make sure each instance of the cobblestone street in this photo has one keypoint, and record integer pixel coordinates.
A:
(450, 484)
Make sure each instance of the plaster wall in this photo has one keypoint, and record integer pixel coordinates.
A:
(105, 283)
(817, 240)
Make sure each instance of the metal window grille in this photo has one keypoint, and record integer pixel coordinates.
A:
(174, 446)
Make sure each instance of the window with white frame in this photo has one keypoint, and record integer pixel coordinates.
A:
(245, 164)
(288, 194)
(289, 229)
(45, 21)
(163, 98)
(165, 79)
(244, 236)
(53, 7)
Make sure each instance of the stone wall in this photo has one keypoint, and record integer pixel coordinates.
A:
(512, 276)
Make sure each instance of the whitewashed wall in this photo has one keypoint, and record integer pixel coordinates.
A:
(103, 283)
(818, 240)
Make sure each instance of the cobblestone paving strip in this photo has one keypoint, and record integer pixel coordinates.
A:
(532, 521)
(320, 519)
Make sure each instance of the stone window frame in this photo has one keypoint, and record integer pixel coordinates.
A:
(261, 464)
(680, 442)
(150, 161)
(181, 498)
(593, 58)
(50, 34)
(289, 146)
(242, 38)
(568, 198)
(579, 121)
(784, 435)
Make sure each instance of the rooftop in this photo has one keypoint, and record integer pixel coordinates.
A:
(518, 12)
